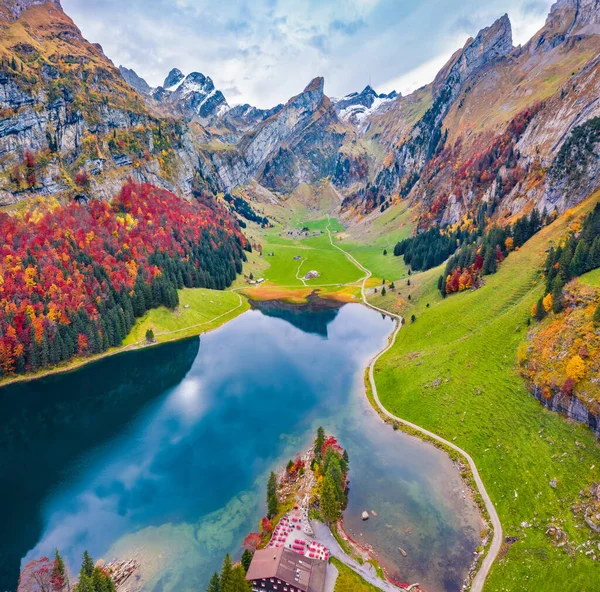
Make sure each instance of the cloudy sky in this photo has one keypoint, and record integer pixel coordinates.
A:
(264, 51)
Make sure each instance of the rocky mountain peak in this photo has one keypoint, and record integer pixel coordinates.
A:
(315, 85)
(174, 77)
(136, 82)
(10, 10)
(492, 43)
(193, 95)
(355, 106)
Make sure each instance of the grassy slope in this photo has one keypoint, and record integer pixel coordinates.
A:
(349, 581)
(592, 278)
(207, 309)
(368, 240)
(470, 339)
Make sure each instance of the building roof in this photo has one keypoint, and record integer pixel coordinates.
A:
(292, 568)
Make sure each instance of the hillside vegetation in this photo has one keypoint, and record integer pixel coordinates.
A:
(454, 371)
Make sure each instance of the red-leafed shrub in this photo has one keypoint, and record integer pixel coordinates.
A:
(82, 179)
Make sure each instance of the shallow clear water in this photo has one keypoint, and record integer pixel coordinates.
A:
(163, 454)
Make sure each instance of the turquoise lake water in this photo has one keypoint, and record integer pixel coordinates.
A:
(163, 454)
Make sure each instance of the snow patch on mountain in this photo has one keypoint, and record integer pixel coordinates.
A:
(356, 107)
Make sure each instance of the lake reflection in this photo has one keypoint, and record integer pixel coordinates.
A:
(163, 454)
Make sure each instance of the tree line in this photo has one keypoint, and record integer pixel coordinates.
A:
(482, 256)
(244, 209)
(45, 575)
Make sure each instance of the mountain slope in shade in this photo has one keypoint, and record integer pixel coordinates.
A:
(135, 81)
(298, 144)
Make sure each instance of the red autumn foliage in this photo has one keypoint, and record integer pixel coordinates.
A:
(82, 179)
(29, 160)
(66, 267)
(266, 525)
(252, 541)
(36, 576)
(332, 443)
(567, 387)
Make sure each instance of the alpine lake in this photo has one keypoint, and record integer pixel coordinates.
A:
(163, 454)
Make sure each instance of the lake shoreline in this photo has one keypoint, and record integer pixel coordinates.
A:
(334, 300)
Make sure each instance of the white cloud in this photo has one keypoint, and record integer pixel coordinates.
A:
(270, 49)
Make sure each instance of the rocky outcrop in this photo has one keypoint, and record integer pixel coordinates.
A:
(10, 10)
(193, 96)
(272, 133)
(492, 43)
(242, 118)
(174, 77)
(571, 407)
(136, 82)
(575, 172)
(298, 144)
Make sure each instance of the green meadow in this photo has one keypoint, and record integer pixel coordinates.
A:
(454, 371)
(314, 252)
(199, 310)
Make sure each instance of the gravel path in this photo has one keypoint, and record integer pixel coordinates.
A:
(366, 571)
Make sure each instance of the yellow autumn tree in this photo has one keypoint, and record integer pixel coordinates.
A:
(509, 243)
(547, 302)
(576, 368)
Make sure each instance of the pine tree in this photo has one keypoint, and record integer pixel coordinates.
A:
(272, 501)
(594, 255)
(246, 559)
(238, 581)
(490, 265)
(87, 565)
(557, 300)
(215, 583)
(60, 577)
(319, 441)
(102, 582)
(540, 311)
(330, 506)
(383, 292)
(85, 584)
(334, 472)
(579, 262)
(226, 574)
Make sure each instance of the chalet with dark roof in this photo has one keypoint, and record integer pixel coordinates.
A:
(283, 570)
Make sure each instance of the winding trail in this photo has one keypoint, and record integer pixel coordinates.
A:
(484, 569)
